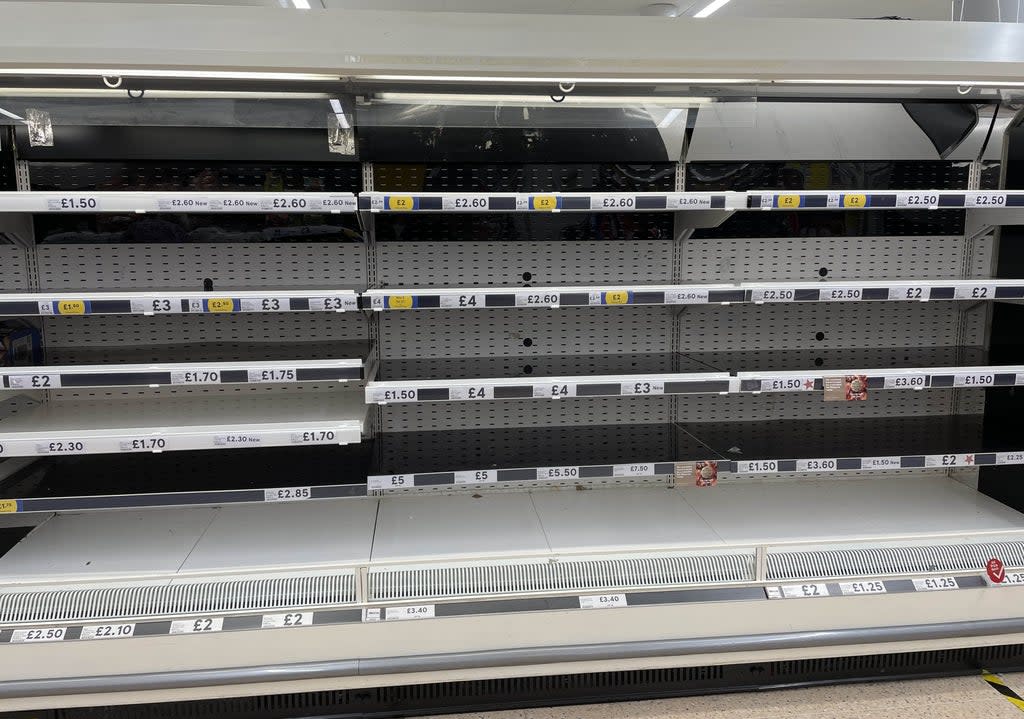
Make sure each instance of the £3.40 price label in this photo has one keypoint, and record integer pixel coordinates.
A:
(603, 601)
(419, 611)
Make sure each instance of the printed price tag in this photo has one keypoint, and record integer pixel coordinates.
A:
(829, 464)
(333, 203)
(401, 203)
(33, 381)
(61, 446)
(464, 301)
(949, 460)
(689, 201)
(392, 395)
(143, 444)
(289, 619)
(284, 203)
(108, 631)
(974, 379)
(912, 293)
(757, 466)
(279, 374)
(788, 202)
(865, 587)
(788, 384)
(220, 304)
(686, 297)
(479, 476)
(840, 294)
(28, 636)
(544, 203)
(265, 304)
(287, 494)
(72, 203)
(537, 299)
(975, 292)
(546, 473)
(642, 388)
(237, 440)
(909, 381)
(8, 506)
(235, 203)
(390, 481)
(803, 591)
(936, 584)
(767, 201)
(315, 436)
(177, 203)
(641, 469)
(880, 462)
(331, 304)
(197, 626)
(419, 611)
(459, 392)
(1009, 457)
(1013, 578)
(195, 376)
(612, 202)
(772, 294)
(466, 203)
(554, 390)
(156, 306)
(929, 200)
(401, 302)
(986, 199)
(603, 601)
(70, 307)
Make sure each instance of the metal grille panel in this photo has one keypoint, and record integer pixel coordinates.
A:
(13, 269)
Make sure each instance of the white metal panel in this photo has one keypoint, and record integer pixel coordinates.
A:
(13, 268)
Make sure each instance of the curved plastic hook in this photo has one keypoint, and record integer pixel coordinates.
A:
(558, 98)
(112, 85)
(566, 87)
(965, 90)
(136, 97)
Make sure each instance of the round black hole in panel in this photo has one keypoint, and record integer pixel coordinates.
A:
(527, 342)
(819, 336)
(818, 361)
(527, 276)
(823, 271)
(528, 369)
(207, 285)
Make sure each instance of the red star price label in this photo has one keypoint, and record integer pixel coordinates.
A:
(788, 384)
(995, 571)
(949, 460)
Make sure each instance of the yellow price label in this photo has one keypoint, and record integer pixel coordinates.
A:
(788, 201)
(855, 200)
(401, 202)
(400, 302)
(544, 202)
(71, 307)
(619, 297)
(220, 304)
(8, 505)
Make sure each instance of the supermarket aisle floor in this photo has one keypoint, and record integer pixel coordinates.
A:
(953, 698)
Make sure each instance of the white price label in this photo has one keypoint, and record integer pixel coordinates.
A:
(284, 203)
(935, 584)
(554, 390)
(379, 394)
(287, 494)
(801, 591)
(788, 384)
(333, 203)
(910, 293)
(686, 297)
(49, 634)
(880, 462)
(767, 201)
(640, 469)
(390, 481)
(314, 436)
(642, 388)
(908, 381)
(288, 619)
(72, 203)
(928, 200)
(866, 587)
(974, 379)
(975, 292)
(33, 381)
(156, 306)
(470, 301)
(757, 466)
(546, 473)
(537, 299)
(603, 601)
(61, 446)
(772, 294)
(235, 203)
(478, 476)
(196, 376)
(237, 440)
(179, 203)
(419, 611)
(689, 201)
(108, 631)
(612, 202)
(827, 464)
(1009, 457)
(1013, 578)
(986, 199)
(143, 444)
(332, 304)
(949, 460)
(461, 392)
(265, 304)
(840, 294)
(197, 626)
(466, 203)
(272, 375)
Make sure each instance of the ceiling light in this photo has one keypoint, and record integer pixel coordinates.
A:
(427, 98)
(710, 8)
(301, 4)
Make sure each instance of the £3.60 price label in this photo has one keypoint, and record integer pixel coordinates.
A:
(906, 381)
(827, 464)
(202, 625)
(288, 619)
(108, 631)
(47, 634)
(865, 587)
(935, 584)
(603, 601)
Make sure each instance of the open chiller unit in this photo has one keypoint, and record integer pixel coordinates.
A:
(329, 422)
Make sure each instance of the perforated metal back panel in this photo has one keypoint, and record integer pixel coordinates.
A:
(13, 268)
(186, 266)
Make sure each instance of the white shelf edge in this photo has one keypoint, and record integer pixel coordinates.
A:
(181, 202)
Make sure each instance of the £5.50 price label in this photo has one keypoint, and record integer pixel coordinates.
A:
(548, 473)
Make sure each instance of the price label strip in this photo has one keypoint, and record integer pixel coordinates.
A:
(839, 464)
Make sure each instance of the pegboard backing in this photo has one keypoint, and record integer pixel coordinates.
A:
(525, 332)
(770, 408)
(560, 177)
(841, 325)
(186, 266)
(774, 259)
(525, 227)
(535, 263)
(119, 331)
(13, 269)
(200, 393)
(525, 413)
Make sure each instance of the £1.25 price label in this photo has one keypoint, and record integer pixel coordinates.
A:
(936, 584)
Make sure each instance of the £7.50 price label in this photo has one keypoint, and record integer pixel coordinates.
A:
(202, 625)
(288, 619)
(603, 601)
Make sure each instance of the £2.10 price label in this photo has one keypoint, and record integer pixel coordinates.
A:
(108, 631)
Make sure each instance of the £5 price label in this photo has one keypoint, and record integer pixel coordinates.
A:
(477, 476)
(390, 481)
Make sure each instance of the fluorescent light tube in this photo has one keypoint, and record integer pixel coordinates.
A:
(301, 4)
(710, 8)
